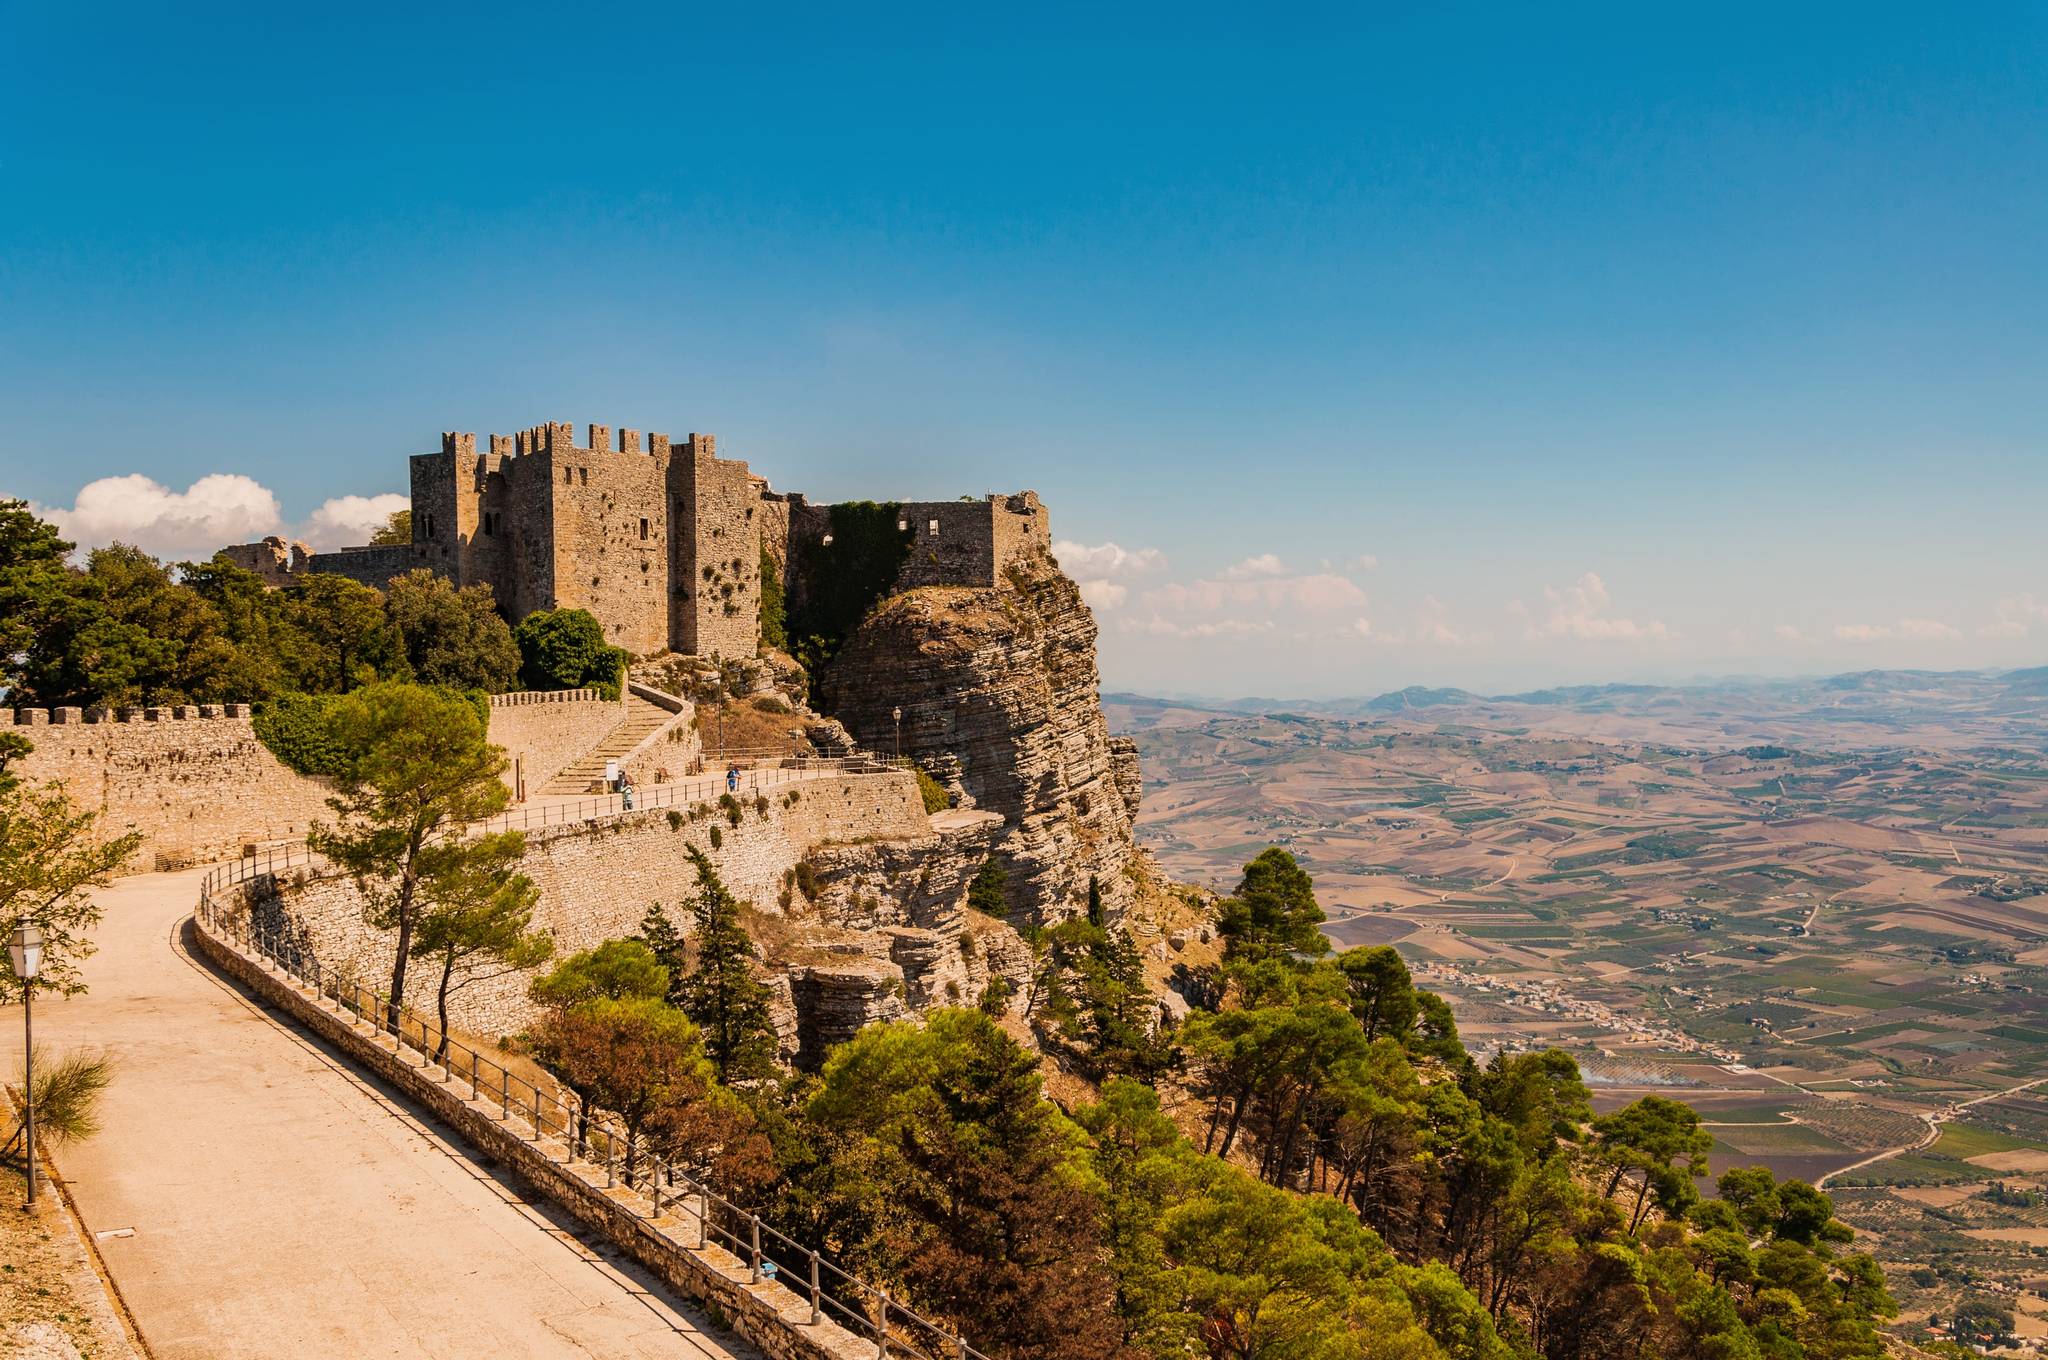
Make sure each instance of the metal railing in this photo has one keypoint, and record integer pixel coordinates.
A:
(700, 1214)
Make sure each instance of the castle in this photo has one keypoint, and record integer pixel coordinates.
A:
(662, 540)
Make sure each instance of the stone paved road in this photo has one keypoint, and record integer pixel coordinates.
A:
(269, 1202)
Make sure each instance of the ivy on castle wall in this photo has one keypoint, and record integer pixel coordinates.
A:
(845, 578)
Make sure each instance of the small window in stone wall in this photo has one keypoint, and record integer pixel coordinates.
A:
(643, 531)
(583, 476)
(935, 529)
(568, 476)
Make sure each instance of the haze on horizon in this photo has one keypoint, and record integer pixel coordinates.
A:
(1486, 347)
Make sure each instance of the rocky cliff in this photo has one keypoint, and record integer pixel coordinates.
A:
(1000, 699)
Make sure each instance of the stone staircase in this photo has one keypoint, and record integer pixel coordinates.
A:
(642, 719)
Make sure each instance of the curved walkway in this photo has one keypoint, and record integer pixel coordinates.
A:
(252, 1197)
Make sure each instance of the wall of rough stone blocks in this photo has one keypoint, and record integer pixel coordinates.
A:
(611, 537)
(596, 879)
(193, 779)
(543, 731)
(717, 591)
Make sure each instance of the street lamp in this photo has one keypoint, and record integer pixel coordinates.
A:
(25, 953)
(897, 714)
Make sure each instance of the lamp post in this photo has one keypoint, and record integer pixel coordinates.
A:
(25, 953)
(897, 715)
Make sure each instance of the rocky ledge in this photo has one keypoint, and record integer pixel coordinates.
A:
(1000, 699)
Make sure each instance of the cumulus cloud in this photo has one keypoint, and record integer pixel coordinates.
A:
(346, 521)
(1907, 630)
(218, 509)
(222, 508)
(1580, 612)
(1156, 625)
(1106, 559)
(1104, 595)
(1265, 564)
(2017, 616)
(1785, 632)
(1318, 593)
(1101, 569)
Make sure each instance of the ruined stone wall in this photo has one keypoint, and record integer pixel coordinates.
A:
(375, 567)
(193, 779)
(543, 731)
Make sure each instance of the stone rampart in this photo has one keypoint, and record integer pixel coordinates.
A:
(544, 731)
(597, 878)
(192, 778)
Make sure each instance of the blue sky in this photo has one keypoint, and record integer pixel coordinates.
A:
(1484, 345)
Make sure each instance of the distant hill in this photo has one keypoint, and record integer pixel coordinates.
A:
(1419, 696)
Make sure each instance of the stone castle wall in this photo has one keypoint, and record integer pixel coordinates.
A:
(597, 878)
(544, 730)
(193, 779)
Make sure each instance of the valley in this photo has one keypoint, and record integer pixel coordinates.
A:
(1816, 911)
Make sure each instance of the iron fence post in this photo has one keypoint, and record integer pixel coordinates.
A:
(754, 1265)
(817, 1308)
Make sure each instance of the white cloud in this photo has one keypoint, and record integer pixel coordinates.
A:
(1156, 625)
(1095, 570)
(1580, 612)
(1104, 595)
(2017, 616)
(222, 508)
(1361, 627)
(215, 511)
(1320, 593)
(1909, 630)
(348, 521)
(1106, 559)
(1265, 564)
(1362, 562)
(1785, 632)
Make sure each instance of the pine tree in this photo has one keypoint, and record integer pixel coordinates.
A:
(722, 995)
(665, 942)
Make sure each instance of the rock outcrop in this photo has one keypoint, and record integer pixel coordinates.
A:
(999, 693)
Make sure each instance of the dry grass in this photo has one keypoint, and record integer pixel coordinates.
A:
(52, 1303)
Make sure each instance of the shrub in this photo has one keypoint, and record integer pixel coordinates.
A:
(565, 649)
(717, 839)
(806, 880)
(675, 820)
(296, 728)
(936, 799)
(761, 806)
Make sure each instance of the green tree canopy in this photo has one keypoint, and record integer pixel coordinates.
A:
(417, 771)
(450, 636)
(1273, 913)
(565, 649)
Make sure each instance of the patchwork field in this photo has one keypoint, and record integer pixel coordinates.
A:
(1818, 912)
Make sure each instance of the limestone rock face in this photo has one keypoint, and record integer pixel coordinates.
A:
(835, 1000)
(998, 689)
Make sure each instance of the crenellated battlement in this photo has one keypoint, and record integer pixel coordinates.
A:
(152, 713)
(560, 437)
(522, 698)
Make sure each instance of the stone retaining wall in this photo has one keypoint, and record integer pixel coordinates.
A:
(771, 1317)
(597, 878)
(543, 731)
